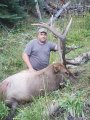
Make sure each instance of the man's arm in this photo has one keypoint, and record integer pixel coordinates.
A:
(27, 62)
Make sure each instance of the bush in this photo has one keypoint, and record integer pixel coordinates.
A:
(3, 110)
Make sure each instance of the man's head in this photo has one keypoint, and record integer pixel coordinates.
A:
(42, 35)
(41, 30)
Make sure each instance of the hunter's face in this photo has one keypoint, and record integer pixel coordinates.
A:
(42, 36)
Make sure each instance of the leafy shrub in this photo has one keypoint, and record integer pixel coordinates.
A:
(32, 112)
(73, 102)
(87, 21)
(3, 110)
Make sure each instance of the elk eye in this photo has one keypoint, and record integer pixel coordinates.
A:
(67, 73)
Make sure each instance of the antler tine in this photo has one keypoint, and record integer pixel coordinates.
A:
(67, 28)
(53, 30)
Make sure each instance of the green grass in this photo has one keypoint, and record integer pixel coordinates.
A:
(12, 46)
(3, 110)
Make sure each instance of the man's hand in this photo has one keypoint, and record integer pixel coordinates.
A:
(32, 70)
(26, 60)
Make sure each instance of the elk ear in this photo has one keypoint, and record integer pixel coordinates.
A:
(56, 68)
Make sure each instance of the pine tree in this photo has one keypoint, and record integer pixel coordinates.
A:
(10, 11)
(13, 10)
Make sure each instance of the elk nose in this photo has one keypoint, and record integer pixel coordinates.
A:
(62, 84)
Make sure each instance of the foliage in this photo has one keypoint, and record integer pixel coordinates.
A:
(32, 111)
(87, 22)
(3, 110)
(10, 11)
(73, 102)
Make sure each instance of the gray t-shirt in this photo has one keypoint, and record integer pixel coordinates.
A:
(39, 54)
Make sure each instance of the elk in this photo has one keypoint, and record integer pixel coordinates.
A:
(23, 86)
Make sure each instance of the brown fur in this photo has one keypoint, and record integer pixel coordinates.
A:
(24, 85)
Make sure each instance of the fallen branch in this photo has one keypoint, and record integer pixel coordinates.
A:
(59, 12)
(38, 10)
(80, 59)
(48, 8)
(70, 48)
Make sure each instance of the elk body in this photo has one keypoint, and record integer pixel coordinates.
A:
(23, 86)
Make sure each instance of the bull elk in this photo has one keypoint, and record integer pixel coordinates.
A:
(23, 86)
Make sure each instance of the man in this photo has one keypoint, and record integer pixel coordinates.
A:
(37, 52)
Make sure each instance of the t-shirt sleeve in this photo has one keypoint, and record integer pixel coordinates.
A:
(52, 46)
(28, 48)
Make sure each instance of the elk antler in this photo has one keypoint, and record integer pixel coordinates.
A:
(67, 28)
(55, 32)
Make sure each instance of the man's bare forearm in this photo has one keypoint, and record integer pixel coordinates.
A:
(26, 60)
